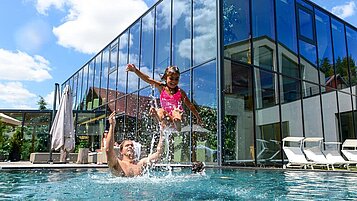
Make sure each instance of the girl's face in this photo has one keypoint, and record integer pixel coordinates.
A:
(172, 80)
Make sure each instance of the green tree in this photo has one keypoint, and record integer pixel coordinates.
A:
(42, 104)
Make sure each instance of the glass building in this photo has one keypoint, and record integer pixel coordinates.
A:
(257, 70)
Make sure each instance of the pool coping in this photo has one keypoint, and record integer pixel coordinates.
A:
(27, 165)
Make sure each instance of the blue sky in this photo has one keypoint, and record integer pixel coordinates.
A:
(45, 41)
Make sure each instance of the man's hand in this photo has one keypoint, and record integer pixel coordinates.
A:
(111, 119)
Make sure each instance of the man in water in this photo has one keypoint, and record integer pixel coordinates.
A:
(126, 164)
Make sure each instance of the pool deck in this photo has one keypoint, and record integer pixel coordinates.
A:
(23, 165)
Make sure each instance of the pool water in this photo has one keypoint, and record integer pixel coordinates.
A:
(218, 184)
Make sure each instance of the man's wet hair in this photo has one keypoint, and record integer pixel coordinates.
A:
(197, 167)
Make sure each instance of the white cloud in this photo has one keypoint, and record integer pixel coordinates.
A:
(346, 10)
(21, 66)
(15, 95)
(91, 24)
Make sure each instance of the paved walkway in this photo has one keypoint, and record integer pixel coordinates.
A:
(28, 165)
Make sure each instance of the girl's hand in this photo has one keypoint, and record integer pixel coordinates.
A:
(130, 67)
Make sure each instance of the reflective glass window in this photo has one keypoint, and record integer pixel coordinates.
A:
(306, 24)
(147, 47)
(90, 85)
(162, 37)
(123, 61)
(286, 24)
(204, 145)
(96, 85)
(105, 73)
(181, 34)
(352, 53)
(238, 118)
(308, 62)
(340, 54)
(237, 30)
(345, 109)
(324, 45)
(288, 63)
(312, 116)
(266, 89)
(329, 114)
(134, 54)
(83, 103)
(290, 89)
(204, 30)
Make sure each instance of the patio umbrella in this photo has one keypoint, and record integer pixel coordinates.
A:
(62, 129)
(195, 128)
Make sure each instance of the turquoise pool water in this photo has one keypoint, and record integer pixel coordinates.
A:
(218, 184)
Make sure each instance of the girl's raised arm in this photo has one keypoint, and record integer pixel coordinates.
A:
(191, 107)
(143, 76)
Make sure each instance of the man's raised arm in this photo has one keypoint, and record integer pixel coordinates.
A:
(113, 162)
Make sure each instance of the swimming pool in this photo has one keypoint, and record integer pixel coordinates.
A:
(218, 184)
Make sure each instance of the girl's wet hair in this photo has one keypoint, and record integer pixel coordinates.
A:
(169, 71)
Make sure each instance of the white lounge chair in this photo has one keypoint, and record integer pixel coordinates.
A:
(294, 154)
(333, 155)
(349, 149)
(315, 153)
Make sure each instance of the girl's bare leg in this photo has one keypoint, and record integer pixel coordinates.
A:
(177, 118)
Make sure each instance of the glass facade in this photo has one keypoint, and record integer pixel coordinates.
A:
(288, 69)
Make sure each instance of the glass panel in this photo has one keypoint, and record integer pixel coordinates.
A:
(305, 25)
(312, 114)
(114, 56)
(306, 5)
(90, 85)
(352, 52)
(130, 117)
(309, 89)
(181, 34)
(236, 30)
(286, 25)
(264, 56)
(74, 89)
(325, 61)
(345, 108)
(288, 62)
(308, 63)
(236, 21)
(290, 89)
(204, 30)
(266, 89)
(90, 126)
(105, 72)
(339, 48)
(147, 38)
(239, 140)
(123, 61)
(97, 75)
(134, 52)
(162, 37)
(84, 95)
(291, 113)
(204, 143)
(329, 112)
(263, 19)
(267, 117)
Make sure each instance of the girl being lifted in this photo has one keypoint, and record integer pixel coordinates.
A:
(171, 97)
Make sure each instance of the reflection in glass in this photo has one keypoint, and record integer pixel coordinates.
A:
(96, 84)
(312, 114)
(286, 25)
(204, 144)
(236, 30)
(325, 60)
(181, 34)
(90, 85)
(266, 89)
(147, 47)
(330, 113)
(340, 54)
(290, 89)
(239, 140)
(345, 107)
(83, 102)
(288, 62)
(204, 31)
(309, 89)
(134, 52)
(351, 35)
(305, 24)
(123, 61)
(105, 72)
(162, 37)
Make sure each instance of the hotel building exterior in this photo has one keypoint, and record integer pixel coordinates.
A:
(257, 70)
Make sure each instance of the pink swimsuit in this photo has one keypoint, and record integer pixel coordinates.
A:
(170, 102)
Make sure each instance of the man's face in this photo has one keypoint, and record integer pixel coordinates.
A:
(128, 148)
